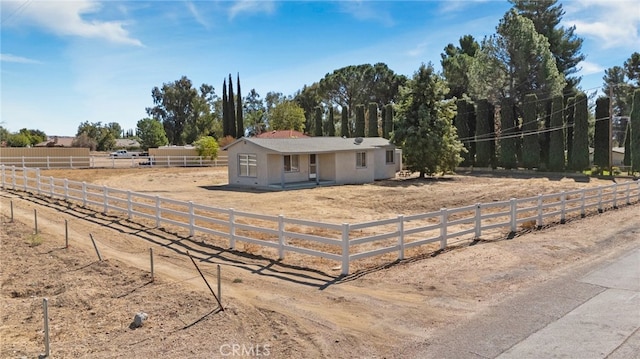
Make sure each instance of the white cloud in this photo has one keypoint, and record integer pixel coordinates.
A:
(66, 18)
(588, 68)
(251, 7)
(18, 59)
(196, 14)
(367, 11)
(613, 23)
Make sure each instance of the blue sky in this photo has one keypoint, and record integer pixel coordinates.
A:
(66, 62)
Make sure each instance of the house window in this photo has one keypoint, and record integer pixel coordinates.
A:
(291, 163)
(390, 156)
(247, 165)
(361, 159)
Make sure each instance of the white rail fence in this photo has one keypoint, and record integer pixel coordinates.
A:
(343, 243)
(50, 162)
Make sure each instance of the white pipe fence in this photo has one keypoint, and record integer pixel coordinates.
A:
(50, 162)
(344, 242)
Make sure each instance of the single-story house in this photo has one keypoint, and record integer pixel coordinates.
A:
(285, 163)
(282, 134)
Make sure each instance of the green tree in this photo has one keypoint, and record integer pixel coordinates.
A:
(18, 139)
(514, 62)
(580, 153)
(615, 84)
(626, 160)
(556, 137)
(255, 113)
(239, 115)
(424, 128)
(287, 115)
(115, 129)
(83, 140)
(530, 127)
(207, 147)
(456, 62)
(387, 127)
(344, 122)
(462, 127)
(308, 98)
(570, 121)
(226, 129)
(174, 107)
(372, 123)
(102, 135)
(231, 107)
(331, 124)
(564, 44)
(507, 135)
(634, 119)
(360, 123)
(318, 122)
(151, 133)
(485, 135)
(632, 69)
(4, 134)
(601, 136)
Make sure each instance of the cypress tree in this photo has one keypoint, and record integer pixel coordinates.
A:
(388, 121)
(373, 120)
(530, 143)
(344, 123)
(231, 109)
(580, 155)
(634, 118)
(471, 120)
(225, 112)
(627, 145)
(462, 126)
(544, 137)
(571, 105)
(601, 134)
(508, 130)
(359, 132)
(239, 116)
(332, 125)
(556, 136)
(318, 122)
(485, 136)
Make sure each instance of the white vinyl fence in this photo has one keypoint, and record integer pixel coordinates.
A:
(51, 162)
(344, 242)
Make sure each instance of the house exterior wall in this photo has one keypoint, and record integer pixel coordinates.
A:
(346, 171)
(326, 166)
(384, 170)
(262, 177)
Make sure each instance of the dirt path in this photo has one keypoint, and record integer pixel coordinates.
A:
(384, 311)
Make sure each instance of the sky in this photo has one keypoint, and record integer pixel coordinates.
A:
(66, 62)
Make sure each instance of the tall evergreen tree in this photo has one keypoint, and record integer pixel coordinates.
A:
(626, 160)
(318, 122)
(373, 120)
(359, 131)
(580, 155)
(344, 122)
(507, 132)
(564, 44)
(485, 133)
(332, 125)
(464, 134)
(601, 135)
(226, 131)
(387, 127)
(545, 136)
(634, 119)
(231, 107)
(530, 143)
(556, 135)
(240, 115)
(569, 112)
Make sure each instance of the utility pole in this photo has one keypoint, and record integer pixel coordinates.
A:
(611, 130)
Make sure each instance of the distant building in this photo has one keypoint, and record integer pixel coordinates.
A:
(282, 134)
(56, 141)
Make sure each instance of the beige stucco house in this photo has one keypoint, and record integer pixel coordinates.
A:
(286, 163)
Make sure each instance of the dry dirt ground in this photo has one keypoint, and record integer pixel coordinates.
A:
(271, 308)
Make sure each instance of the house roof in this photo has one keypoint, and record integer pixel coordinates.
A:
(314, 144)
(56, 141)
(282, 134)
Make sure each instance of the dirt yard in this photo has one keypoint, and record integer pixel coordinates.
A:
(273, 309)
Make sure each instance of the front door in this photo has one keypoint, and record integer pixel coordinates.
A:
(312, 167)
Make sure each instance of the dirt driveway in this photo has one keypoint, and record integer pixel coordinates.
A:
(387, 310)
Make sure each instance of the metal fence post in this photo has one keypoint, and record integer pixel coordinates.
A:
(232, 229)
(151, 263)
(345, 249)
(582, 204)
(444, 216)
(514, 214)
(563, 199)
(45, 309)
(280, 237)
(400, 237)
(540, 223)
(478, 233)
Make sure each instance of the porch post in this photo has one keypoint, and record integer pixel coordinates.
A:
(317, 169)
(282, 173)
